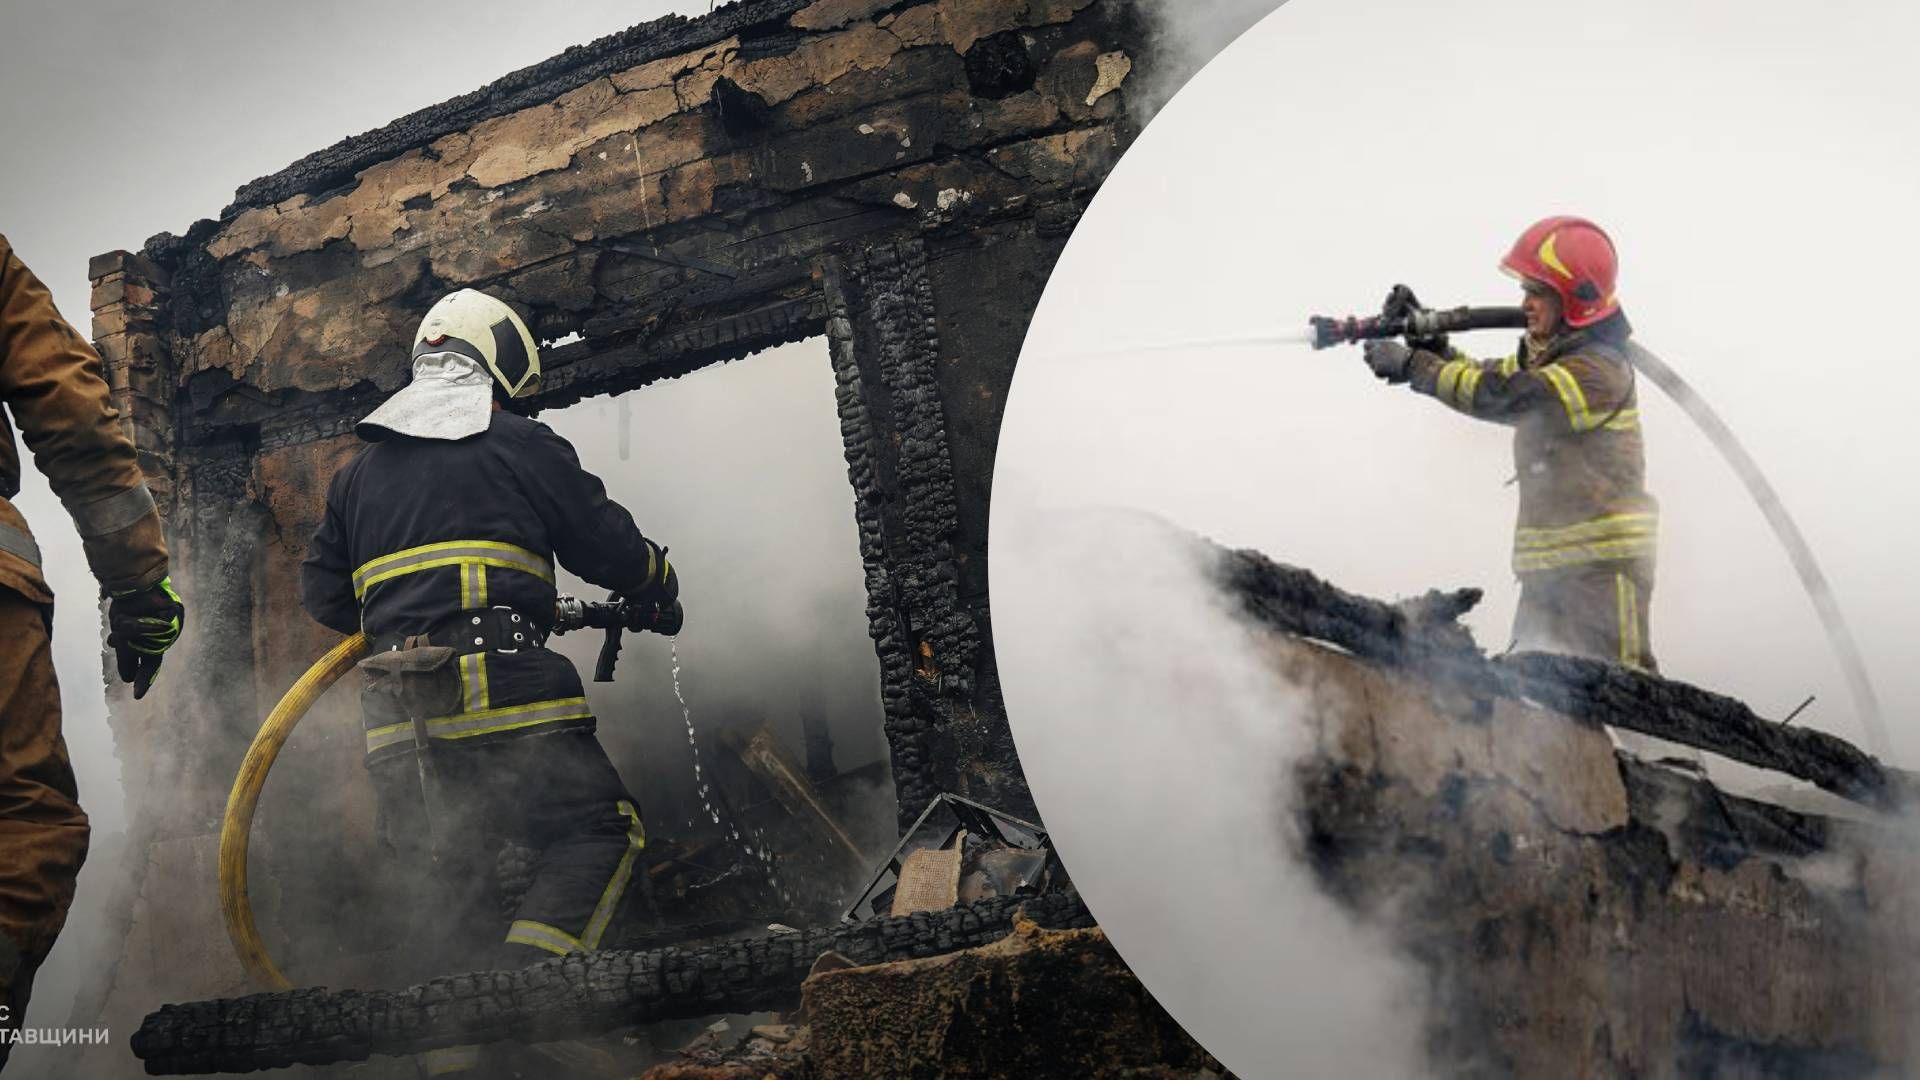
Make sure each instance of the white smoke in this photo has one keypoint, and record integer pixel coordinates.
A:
(1161, 750)
(1184, 35)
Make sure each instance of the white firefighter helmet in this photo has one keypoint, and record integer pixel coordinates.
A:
(468, 343)
(474, 324)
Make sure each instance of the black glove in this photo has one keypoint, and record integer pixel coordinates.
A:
(1401, 303)
(656, 608)
(664, 617)
(141, 626)
(1388, 359)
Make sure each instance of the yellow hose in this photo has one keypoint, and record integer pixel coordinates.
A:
(237, 826)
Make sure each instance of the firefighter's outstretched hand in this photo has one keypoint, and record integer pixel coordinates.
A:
(1388, 359)
(141, 627)
(664, 617)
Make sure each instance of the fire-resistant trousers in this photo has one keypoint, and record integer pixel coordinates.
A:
(1598, 610)
(43, 831)
(554, 797)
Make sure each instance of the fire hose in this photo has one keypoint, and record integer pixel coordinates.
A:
(1419, 323)
(236, 825)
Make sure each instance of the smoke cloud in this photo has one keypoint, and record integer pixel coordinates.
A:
(737, 470)
(1185, 34)
(1162, 749)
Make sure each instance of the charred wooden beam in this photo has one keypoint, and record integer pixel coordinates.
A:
(1422, 635)
(566, 997)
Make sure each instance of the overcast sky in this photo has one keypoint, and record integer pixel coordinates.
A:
(1757, 165)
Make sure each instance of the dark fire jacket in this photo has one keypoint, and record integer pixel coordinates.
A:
(417, 531)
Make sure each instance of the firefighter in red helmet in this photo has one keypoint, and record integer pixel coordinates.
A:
(1583, 547)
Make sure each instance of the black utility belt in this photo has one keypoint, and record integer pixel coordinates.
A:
(498, 629)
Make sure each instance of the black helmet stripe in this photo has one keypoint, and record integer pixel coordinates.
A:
(452, 345)
(510, 353)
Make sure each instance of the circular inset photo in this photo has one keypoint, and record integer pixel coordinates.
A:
(1449, 543)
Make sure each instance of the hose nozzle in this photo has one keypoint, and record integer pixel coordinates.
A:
(1420, 323)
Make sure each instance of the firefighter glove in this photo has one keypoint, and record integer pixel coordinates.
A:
(1388, 359)
(663, 584)
(664, 617)
(141, 626)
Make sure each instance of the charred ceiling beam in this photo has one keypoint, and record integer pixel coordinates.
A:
(664, 37)
(1423, 636)
(567, 997)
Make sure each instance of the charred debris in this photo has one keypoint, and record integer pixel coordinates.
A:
(1514, 853)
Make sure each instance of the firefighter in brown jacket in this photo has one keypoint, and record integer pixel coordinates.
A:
(1583, 548)
(52, 383)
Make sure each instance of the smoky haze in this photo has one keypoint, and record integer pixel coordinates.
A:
(1167, 781)
(737, 469)
(119, 120)
(1758, 168)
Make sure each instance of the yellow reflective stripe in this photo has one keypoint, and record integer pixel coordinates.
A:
(541, 936)
(473, 682)
(509, 718)
(1572, 398)
(617, 887)
(471, 589)
(450, 553)
(448, 1060)
(1456, 383)
(1624, 420)
(1469, 384)
(1608, 527)
(466, 725)
(1509, 366)
(543, 573)
(380, 738)
(1579, 554)
(1628, 601)
(1633, 621)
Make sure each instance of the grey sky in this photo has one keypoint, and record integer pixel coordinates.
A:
(1759, 168)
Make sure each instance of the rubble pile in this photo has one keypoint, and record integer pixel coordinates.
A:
(1579, 910)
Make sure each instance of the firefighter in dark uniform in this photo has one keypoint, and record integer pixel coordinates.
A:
(439, 542)
(1583, 545)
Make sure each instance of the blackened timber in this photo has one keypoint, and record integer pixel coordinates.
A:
(1423, 637)
(1673, 710)
(881, 333)
(670, 35)
(566, 997)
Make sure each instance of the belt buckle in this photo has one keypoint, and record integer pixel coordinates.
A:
(520, 636)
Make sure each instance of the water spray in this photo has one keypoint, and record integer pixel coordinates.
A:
(1324, 332)
(752, 842)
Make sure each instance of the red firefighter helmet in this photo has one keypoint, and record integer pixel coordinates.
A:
(1574, 258)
